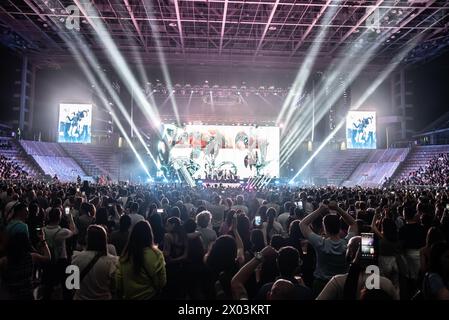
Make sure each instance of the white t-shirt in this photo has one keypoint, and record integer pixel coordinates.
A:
(277, 229)
(334, 289)
(282, 219)
(8, 212)
(135, 217)
(96, 285)
(57, 235)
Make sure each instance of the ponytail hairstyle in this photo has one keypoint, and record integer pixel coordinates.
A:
(271, 214)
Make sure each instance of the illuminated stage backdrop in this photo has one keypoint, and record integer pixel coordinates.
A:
(361, 130)
(75, 123)
(217, 150)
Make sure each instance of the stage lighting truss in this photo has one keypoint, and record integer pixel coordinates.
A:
(219, 94)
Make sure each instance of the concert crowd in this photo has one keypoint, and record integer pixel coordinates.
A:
(435, 172)
(162, 241)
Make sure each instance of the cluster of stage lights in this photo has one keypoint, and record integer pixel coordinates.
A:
(217, 90)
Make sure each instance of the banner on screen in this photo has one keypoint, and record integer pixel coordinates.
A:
(214, 151)
(75, 123)
(361, 130)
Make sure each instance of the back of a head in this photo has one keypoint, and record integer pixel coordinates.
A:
(287, 206)
(331, 224)
(85, 208)
(243, 225)
(257, 240)
(125, 223)
(409, 212)
(97, 239)
(277, 241)
(288, 261)
(54, 216)
(134, 207)
(203, 219)
(33, 208)
(18, 208)
(239, 199)
(295, 233)
(189, 225)
(362, 205)
(101, 217)
(222, 254)
(175, 212)
(262, 211)
(282, 290)
(271, 214)
(56, 203)
(164, 202)
(422, 207)
(141, 237)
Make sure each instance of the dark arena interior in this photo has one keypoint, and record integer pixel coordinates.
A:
(207, 150)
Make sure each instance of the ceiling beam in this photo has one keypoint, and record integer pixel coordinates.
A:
(178, 19)
(136, 24)
(309, 28)
(407, 21)
(223, 24)
(44, 18)
(362, 19)
(267, 25)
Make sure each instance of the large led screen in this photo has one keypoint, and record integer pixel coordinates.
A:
(213, 151)
(361, 130)
(75, 123)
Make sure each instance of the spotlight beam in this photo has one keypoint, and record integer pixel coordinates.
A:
(223, 25)
(303, 74)
(293, 138)
(377, 82)
(83, 64)
(119, 62)
(161, 56)
(93, 62)
(288, 150)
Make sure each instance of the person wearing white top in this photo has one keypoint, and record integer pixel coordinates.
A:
(135, 217)
(97, 267)
(271, 227)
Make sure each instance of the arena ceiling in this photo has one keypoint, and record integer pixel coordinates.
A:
(237, 32)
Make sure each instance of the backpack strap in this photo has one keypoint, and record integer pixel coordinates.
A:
(89, 267)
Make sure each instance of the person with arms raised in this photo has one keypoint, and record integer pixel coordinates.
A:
(330, 249)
